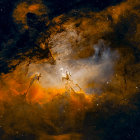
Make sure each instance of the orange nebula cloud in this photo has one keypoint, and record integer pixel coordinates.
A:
(20, 12)
(17, 82)
(54, 109)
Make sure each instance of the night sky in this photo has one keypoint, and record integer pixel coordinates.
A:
(94, 42)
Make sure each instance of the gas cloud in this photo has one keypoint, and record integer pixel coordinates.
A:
(69, 70)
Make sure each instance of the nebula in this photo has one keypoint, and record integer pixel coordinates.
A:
(69, 70)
